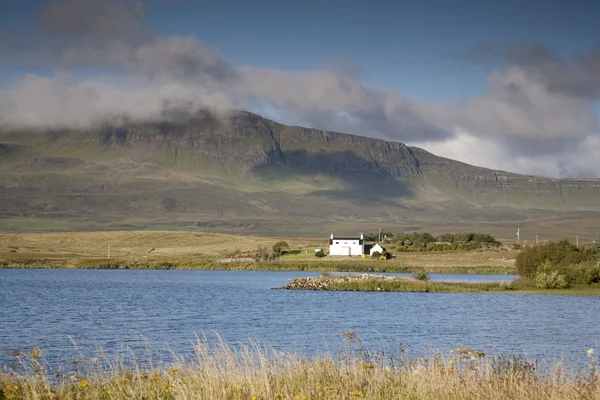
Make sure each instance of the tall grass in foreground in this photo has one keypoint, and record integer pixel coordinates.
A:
(259, 373)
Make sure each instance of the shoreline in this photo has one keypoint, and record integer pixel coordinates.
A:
(384, 283)
(212, 264)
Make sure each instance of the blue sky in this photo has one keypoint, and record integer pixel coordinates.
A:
(503, 84)
(412, 46)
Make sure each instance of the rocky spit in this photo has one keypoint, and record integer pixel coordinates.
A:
(324, 282)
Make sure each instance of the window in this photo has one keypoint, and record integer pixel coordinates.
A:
(345, 242)
(337, 242)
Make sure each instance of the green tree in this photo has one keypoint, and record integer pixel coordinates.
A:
(263, 254)
(279, 247)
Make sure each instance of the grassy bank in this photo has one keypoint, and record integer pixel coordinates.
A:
(380, 283)
(258, 373)
(211, 263)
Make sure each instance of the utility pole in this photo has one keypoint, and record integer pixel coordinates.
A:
(577, 239)
(108, 252)
(536, 239)
(518, 236)
(380, 234)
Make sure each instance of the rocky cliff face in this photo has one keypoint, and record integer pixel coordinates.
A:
(242, 165)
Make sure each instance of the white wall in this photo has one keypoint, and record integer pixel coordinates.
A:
(345, 248)
(375, 248)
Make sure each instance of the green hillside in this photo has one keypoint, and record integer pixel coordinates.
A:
(245, 173)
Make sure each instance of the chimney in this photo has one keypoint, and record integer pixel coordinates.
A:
(361, 236)
(332, 235)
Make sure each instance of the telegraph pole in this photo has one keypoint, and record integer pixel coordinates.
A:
(536, 239)
(577, 239)
(518, 236)
(108, 252)
(379, 234)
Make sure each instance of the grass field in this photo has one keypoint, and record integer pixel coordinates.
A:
(258, 373)
(150, 249)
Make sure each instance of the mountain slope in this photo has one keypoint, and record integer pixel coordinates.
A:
(244, 172)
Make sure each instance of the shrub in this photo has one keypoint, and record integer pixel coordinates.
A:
(552, 280)
(422, 276)
(263, 254)
(446, 241)
(505, 285)
(584, 273)
(558, 254)
(375, 255)
(319, 254)
(279, 247)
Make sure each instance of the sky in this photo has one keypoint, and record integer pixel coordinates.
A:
(510, 85)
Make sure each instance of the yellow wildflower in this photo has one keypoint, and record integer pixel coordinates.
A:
(356, 394)
(167, 389)
(254, 398)
(82, 384)
(590, 352)
(36, 353)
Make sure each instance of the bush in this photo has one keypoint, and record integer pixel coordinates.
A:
(319, 254)
(263, 254)
(422, 276)
(552, 280)
(279, 247)
(584, 273)
(557, 254)
(445, 242)
(375, 255)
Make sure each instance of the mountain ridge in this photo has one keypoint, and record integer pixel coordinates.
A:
(244, 171)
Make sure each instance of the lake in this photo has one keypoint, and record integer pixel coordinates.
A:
(166, 310)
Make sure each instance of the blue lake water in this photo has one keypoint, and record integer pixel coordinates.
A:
(110, 309)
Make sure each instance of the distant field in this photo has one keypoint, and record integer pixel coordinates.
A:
(182, 248)
(135, 244)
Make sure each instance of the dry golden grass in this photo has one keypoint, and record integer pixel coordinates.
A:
(173, 245)
(130, 244)
(254, 373)
(488, 258)
(434, 260)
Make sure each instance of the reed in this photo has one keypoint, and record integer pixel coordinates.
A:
(254, 372)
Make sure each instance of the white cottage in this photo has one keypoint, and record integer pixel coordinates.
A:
(346, 246)
(376, 248)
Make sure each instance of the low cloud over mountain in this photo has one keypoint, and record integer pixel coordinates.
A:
(92, 60)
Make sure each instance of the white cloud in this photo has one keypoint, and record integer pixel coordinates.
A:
(533, 119)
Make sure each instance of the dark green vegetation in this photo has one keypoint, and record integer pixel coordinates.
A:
(382, 283)
(558, 265)
(425, 241)
(243, 173)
